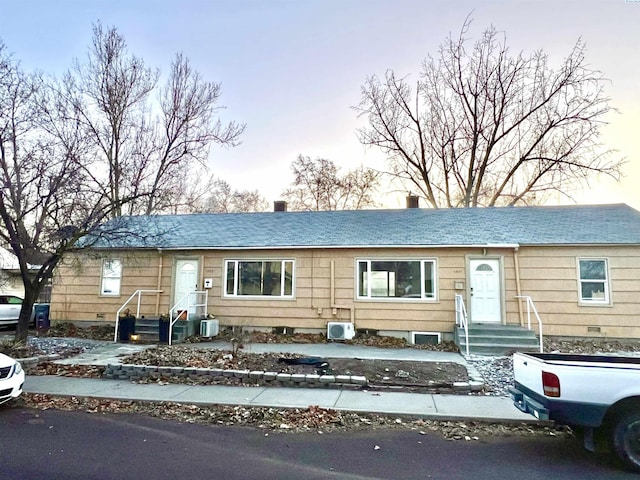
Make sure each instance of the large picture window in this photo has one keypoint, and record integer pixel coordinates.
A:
(397, 279)
(273, 278)
(593, 281)
(111, 277)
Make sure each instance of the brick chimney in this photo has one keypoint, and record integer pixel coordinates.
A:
(279, 206)
(412, 201)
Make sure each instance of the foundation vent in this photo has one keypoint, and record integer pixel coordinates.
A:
(425, 338)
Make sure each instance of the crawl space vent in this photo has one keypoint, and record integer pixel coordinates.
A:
(425, 338)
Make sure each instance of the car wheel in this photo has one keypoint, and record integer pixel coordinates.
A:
(626, 440)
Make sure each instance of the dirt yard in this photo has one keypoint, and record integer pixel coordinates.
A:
(413, 375)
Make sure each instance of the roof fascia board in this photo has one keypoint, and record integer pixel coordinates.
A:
(335, 247)
(351, 247)
(580, 244)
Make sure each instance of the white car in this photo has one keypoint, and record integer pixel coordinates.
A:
(11, 378)
(10, 306)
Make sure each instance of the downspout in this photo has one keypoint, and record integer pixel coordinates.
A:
(313, 287)
(159, 283)
(334, 306)
(516, 265)
(333, 284)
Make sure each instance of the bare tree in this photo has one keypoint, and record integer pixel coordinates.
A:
(189, 126)
(145, 149)
(43, 187)
(483, 127)
(222, 198)
(318, 185)
(94, 146)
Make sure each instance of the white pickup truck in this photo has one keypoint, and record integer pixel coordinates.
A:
(599, 394)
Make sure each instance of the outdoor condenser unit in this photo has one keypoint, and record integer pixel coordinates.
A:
(209, 328)
(340, 331)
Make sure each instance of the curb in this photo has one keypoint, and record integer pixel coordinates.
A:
(31, 361)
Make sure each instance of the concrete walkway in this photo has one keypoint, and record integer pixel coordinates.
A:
(435, 406)
(112, 352)
(441, 407)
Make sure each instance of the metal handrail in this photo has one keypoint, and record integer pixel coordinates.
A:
(137, 293)
(178, 305)
(531, 306)
(462, 320)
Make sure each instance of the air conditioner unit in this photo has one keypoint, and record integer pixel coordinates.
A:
(209, 328)
(340, 331)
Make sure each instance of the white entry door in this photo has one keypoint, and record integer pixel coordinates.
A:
(485, 291)
(186, 280)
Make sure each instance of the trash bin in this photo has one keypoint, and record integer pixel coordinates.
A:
(126, 327)
(41, 313)
(163, 330)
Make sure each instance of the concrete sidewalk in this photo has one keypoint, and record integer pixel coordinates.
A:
(435, 406)
(440, 407)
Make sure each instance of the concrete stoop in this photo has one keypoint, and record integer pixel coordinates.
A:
(488, 339)
(148, 330)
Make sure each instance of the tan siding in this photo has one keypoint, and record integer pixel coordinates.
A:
(76, 289)
(76, 297)
(548, 275)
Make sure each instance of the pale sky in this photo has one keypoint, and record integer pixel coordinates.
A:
(291, 70)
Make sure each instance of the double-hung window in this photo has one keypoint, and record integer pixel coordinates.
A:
(111, 277)
(259, 278)
(593, 281)
(396, 279)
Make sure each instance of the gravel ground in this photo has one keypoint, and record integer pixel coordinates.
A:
(65, 347)
(497, 373)
(50, 345)
(37, 346)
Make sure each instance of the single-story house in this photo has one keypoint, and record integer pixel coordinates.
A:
(395, 272)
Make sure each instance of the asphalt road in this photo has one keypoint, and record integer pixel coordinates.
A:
(55, 445)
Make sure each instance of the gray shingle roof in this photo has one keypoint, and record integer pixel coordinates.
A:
(565, 225)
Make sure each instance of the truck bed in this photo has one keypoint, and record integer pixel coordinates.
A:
(588, 385)
(599, 393)
(605, 361)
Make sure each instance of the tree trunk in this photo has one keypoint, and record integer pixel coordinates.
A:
(22, 329)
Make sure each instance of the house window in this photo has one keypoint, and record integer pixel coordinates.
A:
(397, 279)
(111, 277)
(593, 281)
(258, 278)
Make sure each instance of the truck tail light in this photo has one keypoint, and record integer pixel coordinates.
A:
(550, 384)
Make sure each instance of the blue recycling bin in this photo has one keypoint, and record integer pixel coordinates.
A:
(41, 314)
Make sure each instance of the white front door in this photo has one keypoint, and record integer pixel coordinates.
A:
(186, 280)
(485, 291)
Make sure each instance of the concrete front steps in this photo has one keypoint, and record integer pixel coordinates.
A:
(490, 339)
(148, 330)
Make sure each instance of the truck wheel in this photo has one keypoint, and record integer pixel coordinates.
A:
(626, 440)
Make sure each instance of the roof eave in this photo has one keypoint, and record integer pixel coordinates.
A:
(337, 247)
